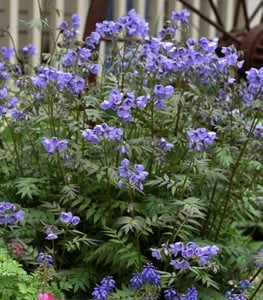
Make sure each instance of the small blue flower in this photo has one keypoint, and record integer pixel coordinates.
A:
(66, 217)
(75, 220)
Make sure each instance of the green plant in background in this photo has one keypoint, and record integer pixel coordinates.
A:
(16, 283)
(164, 149)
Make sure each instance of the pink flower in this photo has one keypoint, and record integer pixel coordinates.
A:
(46, 297)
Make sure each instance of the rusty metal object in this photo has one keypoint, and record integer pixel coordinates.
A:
(97, 13)
(252, 46)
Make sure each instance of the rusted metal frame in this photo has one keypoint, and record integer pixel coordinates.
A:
(260, 5)
(214, 8)
(97, 13)
(218, 27)
(245, 14)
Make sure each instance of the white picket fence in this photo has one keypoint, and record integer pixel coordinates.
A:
(14, 12)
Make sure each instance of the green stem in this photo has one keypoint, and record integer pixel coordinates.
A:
(15, 147)
(231, 180)
(257, 290)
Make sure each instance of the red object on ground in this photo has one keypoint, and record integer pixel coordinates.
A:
(46, 297)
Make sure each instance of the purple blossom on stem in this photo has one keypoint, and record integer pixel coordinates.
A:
(29, 50)
(66, 217)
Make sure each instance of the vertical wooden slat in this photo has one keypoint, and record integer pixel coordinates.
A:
(203, 25)
(13, 9)
(140, 6)
(194, 21)
(119, 8)
(56, 17)
(82, 9)
(227, 10)
(157, 15)
(35, 34)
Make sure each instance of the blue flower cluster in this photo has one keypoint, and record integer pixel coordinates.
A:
(254, 88)
(70, 30)
(238, 292)
(200, 139)
(29, 50)
(189, 251)
(82, 59)
(10, 105)
(103, 130)
(122, 104)
(10, 213)
(67, 217)
(162, 92)
(104, 289)
(196, 62)
(45, 259)
(171, 294)
(165, 146)
(50, 232)
(52, 145)
(135, 177)
(148, 276)
(62, 80)
(6, 52)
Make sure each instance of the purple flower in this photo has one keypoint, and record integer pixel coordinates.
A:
(11, 219)
(17, 114)
(191, 293)
(2, 110)
(200, 138)
(63, 26)
(156, 253)
(69, 58)
(3, 92)
(77, 85)
(7, 53)
(164, 145)
(163, 91)
(159, 104)
(85, 53)
(29, 50)
(89, 136)
(44, 258)
(99, 293)
(50, 144)
(92, 40)
(176, 248)
(66, 217)
(51, 236)
(181, 16)
(12, 102)
(75, 21)
(75, 220)
(141, 102)
(3, 219)
(53, 144)
(20, 215)
(104, 289)
(169, 294)
(94, 68)
(150, 275)
(62, 145)
(136, 282)
(124, 170)
(4, 206)
(180, 264)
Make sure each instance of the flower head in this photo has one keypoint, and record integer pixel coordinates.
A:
(66, 217)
